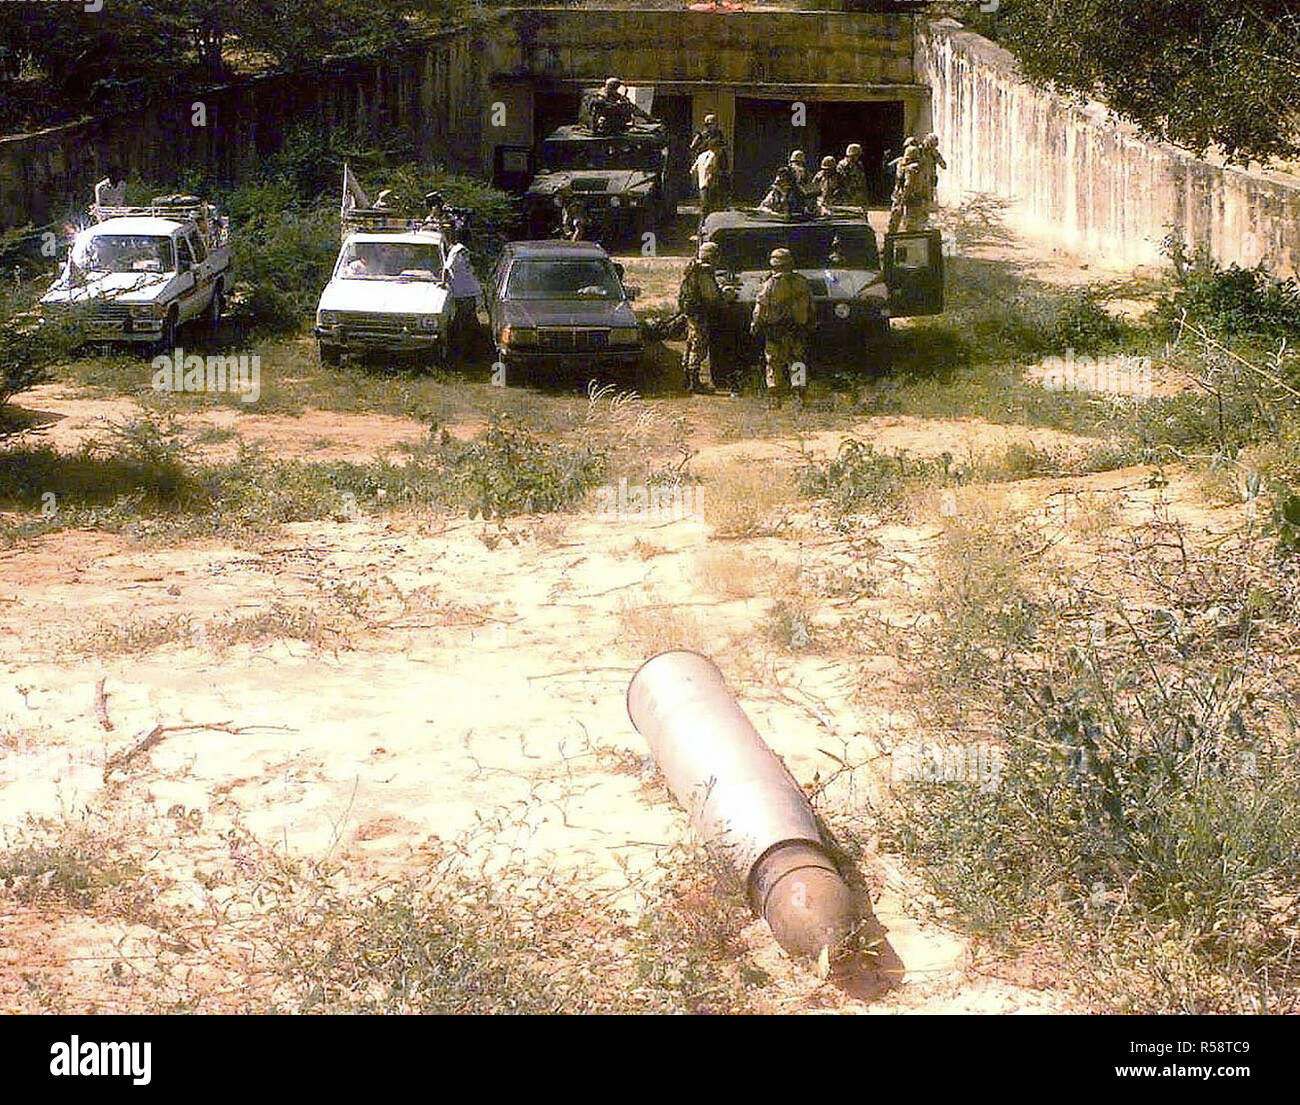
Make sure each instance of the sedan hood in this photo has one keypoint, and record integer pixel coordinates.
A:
(568, 312)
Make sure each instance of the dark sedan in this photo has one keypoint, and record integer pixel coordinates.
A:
(559, 306)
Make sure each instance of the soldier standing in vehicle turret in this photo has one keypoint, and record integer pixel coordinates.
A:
(785, 197)
(574, 222)
(612, 112)
(698, 299)
(783, 316)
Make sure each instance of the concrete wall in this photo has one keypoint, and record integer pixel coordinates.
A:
(430, 94)
(458, 95)
(1092, 185)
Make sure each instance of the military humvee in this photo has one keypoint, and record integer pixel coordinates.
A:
(619, 178)
(855, 291)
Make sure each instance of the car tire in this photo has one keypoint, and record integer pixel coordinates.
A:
(167, 339)
(329, 355)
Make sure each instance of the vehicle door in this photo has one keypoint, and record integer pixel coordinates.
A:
(913, 272)
(188, 299)
(205, 269)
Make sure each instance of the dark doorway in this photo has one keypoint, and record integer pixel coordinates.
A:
(553, 109)
(876, 125)
(763, 141)
(676, 112)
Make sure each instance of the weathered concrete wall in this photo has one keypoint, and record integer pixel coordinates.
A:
(440, 93)
(1075, 177)
(739, 48)
(430, 94)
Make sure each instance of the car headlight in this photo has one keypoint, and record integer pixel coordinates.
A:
(518, 335)
(841, 310)
(327, 318)
(428, 322)
(624, 335)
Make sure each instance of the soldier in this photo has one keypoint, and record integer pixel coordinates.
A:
(784, 197)
(783, 315)
(933, 161)
(574, 222)
(698, 299)
(826, 187)
(799, 169)
(908, 204)
(612, 112)
(835, 259)
(854, 176)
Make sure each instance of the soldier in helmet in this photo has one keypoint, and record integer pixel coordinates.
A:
(698, 299)
(933, 161)
(574, 221)
(612, 112)
(826, 188)
(785, 197)
(799, 169)
(783, 316)
(854, 176)
(908, 204)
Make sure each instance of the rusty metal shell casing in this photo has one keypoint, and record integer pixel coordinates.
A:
(741, 800)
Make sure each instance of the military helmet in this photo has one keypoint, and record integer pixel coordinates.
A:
(612, 84)
(708, 119)
(931, 139)
(911, 140)
(853, 148)
(797, 157)
(781, 259)
(708, 251)
(828, 162)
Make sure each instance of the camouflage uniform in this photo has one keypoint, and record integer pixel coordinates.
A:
(853, 176)
(785, 197)
(825, 187)
(909, 206)
(698, 300)
(783, 314)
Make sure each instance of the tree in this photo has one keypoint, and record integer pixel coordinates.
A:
(1198, 73)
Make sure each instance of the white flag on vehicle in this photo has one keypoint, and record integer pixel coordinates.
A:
(353, 196)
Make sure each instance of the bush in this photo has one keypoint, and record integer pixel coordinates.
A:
(1229, 302)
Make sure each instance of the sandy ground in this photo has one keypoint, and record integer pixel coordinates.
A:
(465, 683)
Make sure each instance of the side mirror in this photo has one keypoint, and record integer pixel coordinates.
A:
(618, 268)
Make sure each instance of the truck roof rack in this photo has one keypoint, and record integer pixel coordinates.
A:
(214, 228)
(370, 220)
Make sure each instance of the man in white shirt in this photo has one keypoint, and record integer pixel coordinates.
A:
(458, 270)
(707, 171)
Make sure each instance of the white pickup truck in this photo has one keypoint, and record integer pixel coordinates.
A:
(388, 292)
(139, 273)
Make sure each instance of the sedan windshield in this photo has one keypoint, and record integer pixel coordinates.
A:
(390, 261)
(538, 279)
(114, 253)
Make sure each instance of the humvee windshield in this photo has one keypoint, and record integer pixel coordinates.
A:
(746, 248)
(600, 153)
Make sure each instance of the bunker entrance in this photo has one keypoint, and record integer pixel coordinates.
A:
(767, 130)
